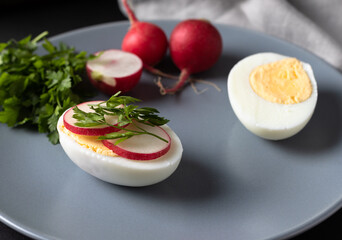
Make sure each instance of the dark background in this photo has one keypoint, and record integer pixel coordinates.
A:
(21, 18)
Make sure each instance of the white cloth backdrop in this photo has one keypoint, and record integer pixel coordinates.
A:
(312, 24)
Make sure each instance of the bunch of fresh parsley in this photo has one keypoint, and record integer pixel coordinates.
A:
(37, 89)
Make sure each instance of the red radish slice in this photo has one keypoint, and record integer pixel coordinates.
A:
(69, 122)
(114, 70)
(141, 147)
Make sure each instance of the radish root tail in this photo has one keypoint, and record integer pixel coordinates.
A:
(193, 86)
(209, 83)
(183, 78)
(185, 74)
(160, 85)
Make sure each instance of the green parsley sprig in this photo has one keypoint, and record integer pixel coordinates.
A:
(122, 107)
(36, 89)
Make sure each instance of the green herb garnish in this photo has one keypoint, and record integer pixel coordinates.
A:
(37, 89)
(125, 111)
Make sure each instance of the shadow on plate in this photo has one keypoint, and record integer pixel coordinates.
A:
(324, 130)
(146, 89)
(222, 68)
(191, 181)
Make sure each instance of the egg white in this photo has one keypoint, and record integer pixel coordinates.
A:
(266, 119)
(119, 170)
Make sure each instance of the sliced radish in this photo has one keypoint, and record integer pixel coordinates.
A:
(69, 122)
(141, 147)
(114, 70)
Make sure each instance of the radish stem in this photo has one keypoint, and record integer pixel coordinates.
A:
(159, 73)
(132, 18)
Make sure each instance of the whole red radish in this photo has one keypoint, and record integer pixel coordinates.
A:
(114, 70)
(146, 40)
(195, 46)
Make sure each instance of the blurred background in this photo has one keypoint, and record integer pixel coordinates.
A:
(319, 22)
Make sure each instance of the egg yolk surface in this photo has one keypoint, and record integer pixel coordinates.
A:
(284, 81)
(89, 142)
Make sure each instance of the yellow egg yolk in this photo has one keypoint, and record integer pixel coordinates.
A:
(284, 81)
(89, 142)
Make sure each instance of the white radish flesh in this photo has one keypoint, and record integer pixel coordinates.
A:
(114, 70)
(69, 122)
(141, 147)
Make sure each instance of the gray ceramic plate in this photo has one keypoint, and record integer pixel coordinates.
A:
(229, 185)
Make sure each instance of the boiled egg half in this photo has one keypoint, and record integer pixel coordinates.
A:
(93, 157)
(273, 96)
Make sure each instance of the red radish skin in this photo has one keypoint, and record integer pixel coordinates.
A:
(137, 147)
(69, 122)
(146, 40)
(195, 46)
(114, 70)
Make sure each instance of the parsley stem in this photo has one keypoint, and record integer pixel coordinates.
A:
(39, 37)
(58, 102)
(152, 134)
(143, 131)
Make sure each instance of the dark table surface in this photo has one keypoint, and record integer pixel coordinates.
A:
(21, 18)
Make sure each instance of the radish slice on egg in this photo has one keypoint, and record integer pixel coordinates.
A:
(69, 122)
(141, 147)
(114, 70)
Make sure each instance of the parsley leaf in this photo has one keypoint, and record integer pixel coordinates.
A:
(127, 113)
(37, 89)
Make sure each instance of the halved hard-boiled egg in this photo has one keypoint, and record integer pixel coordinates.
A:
(121, 164)
(274, 96)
